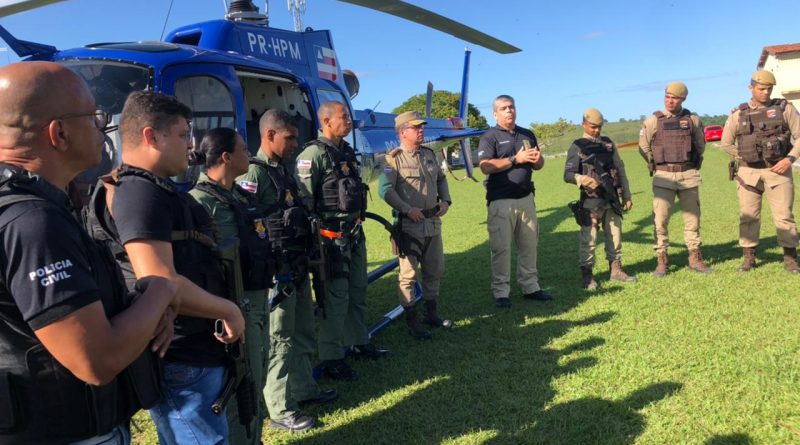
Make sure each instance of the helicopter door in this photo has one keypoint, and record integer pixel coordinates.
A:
(263, 92)
(211, 91)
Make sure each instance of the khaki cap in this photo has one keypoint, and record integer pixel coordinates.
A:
(408, 118)
(677, 89)
(593, 116)
(764, 77)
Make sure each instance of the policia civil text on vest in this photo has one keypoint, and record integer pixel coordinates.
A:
(40, 400)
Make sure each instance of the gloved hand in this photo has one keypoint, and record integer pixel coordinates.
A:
(588, 182)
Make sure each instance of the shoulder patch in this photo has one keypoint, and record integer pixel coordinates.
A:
(304, 163)
(387, 168)
(251, 187)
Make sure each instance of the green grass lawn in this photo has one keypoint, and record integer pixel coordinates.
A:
(686, 359)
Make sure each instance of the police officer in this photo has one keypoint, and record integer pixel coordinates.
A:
(672, 143)
(758, 134)
(75, 362)
(290, 385)
(508, 155)
(594, 165)
(237, 215)
(330, 182)
(167, 233)
(415, 186)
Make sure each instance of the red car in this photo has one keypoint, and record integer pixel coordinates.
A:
(713, 132)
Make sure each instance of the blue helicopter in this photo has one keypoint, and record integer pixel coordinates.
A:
(231, 70)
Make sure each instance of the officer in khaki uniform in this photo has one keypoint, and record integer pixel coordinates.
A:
(672, 143)
(330, 184)
(590, 160)
(415, 186)
(758, 134)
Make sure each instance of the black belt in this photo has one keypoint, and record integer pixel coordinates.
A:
(429, 213)
(676, 168)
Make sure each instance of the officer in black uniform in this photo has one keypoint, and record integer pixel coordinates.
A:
(167, 233)
(74, 358)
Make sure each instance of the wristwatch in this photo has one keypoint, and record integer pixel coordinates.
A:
(513, 161)
(791, 158)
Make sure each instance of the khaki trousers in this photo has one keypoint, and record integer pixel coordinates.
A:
(663, 202)
(611, 223)
(513, 220)
(432, 268)
(779, 190)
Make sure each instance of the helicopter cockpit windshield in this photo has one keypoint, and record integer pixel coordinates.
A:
(110, 83)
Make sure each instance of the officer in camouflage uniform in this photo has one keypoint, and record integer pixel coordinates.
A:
(331, 186)
(594, 165)
(416, 187)
(290, 384)
(758, 134)
(672, 143)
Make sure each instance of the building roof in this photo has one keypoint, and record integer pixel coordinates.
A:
(777, 49)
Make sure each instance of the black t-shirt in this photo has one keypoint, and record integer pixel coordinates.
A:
(144, 210)
(45, 264)
(515, 182)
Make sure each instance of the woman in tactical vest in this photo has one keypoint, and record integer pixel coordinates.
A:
(238, 216)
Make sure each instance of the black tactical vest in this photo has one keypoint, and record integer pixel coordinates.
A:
(763, 134)
(193, 250)
(255, 251)
(672, 143)
(597, 162)
(342, 190)
(288, 226)
(42, 402)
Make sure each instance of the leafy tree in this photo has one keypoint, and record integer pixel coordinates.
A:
(547, 133)
(444, 104)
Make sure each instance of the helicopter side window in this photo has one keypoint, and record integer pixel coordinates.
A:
(212, 107)
(110, 84)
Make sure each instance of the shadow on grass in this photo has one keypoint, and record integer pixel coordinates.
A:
(730, 439)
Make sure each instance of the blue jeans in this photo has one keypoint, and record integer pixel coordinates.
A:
(121, 435)
(184, 415)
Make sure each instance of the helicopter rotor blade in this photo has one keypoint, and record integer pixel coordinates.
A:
(8, 7)
(433, 20)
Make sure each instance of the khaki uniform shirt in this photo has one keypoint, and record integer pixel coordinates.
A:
(413, 178)
(680, 180)
(572, 176)
(258, 182)
(751, 176)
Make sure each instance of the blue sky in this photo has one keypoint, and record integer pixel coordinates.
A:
(615, 56)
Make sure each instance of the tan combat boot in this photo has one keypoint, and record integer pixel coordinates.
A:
(662, 266)
(696, 262)
(790, 260)
(617, 274)
(415, 329)
(589, 282)
(748, 259)
(432, 318)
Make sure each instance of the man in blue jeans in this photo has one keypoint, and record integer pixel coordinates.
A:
(167, 233)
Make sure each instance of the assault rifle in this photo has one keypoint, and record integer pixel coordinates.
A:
(317, 262)
(608, 189)
(238, 375)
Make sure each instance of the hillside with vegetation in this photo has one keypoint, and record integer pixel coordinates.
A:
(555, 138)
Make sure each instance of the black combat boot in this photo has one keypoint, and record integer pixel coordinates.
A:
(587, 276)
(415, 329)
(617, 274)
(748, 259)
(432, 316)
(790, 260)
